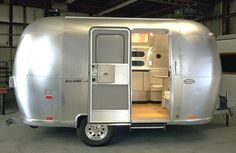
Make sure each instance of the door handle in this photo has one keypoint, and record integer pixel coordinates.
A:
(105, 73)
(175, 67)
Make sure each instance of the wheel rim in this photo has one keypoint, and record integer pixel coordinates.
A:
(96, 131)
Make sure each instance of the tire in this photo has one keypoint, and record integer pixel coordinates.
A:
(34, 127)
(94, 134)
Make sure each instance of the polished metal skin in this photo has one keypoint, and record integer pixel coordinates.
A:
(51, 69)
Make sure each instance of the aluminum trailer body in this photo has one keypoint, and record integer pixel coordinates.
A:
(58, 62)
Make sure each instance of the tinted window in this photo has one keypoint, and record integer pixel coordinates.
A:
(137, 63)
(112, 53)
(138, 54)
(228, 62)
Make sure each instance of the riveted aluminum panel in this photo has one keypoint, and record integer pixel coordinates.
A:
(52, 59)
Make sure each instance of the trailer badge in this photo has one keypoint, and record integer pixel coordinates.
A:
(72, 81)
(189, 81)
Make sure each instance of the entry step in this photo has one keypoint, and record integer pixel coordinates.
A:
(148, 126)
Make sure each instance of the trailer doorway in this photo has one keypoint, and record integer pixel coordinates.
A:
(109, 89)
(150, 75)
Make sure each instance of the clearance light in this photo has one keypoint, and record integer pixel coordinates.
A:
(49, 118)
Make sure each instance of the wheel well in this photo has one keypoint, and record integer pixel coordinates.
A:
(79, 119)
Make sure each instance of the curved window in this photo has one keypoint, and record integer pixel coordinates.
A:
(138, 54)
(137, 63)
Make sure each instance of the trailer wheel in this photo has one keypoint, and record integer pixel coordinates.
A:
(94, 134)
(34, 127)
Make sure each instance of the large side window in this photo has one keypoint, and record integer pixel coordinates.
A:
(228, 61)
(110, 46)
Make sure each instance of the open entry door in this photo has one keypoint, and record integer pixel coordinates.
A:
(109, 75)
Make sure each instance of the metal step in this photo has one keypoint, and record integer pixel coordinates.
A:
(148, 126)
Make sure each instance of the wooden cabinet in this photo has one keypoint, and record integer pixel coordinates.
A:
(137, 80)
(140, 80)
(140, 86)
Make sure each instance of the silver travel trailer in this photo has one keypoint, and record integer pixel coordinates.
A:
(96, 73)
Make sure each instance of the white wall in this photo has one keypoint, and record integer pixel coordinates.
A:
(227, 44)
(72, 14)
(215, 25)
(4, 13)
(31, 15)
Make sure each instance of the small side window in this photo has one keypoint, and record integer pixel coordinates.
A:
(137, 63)
(138, 54)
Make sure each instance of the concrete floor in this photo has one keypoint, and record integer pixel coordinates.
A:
(211, 138)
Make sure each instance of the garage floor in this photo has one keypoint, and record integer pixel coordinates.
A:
(211, 138)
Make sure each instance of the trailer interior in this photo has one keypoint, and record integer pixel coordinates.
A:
(150, 76)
